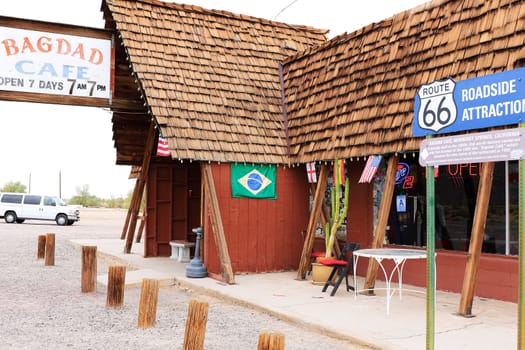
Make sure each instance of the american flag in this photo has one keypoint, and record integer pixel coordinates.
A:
(310, 171)
(371, 166)
(162, 147)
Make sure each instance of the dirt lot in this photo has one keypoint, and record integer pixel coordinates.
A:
(43, 307)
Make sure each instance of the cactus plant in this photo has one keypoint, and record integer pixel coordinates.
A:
(337, 215)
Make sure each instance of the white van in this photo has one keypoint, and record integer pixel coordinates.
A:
(17, 207)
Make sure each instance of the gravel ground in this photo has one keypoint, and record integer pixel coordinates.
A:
(42, 306)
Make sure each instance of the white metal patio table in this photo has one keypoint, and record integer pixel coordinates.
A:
(399, 256)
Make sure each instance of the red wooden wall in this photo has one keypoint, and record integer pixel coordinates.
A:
(497, 276)
(262, 234)
(360, 213)
(265, 235)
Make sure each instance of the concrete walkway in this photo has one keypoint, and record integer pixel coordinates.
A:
(362, 319)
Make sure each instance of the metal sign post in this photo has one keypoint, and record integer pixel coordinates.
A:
(446, 106)
(521, 252)
(431, 257)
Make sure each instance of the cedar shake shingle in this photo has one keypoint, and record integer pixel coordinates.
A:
(211, 78)
(354, 95)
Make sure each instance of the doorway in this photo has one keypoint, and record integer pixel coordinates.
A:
(173, 202)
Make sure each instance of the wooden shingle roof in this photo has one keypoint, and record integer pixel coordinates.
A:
(354, 95)
(211, 78)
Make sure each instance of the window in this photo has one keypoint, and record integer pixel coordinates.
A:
(30, 199)
(12, 198)
(50, 201)
(456, 188)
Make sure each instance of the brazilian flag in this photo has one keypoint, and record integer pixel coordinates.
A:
(253, 181)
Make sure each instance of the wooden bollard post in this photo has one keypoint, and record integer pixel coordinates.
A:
(195, 325)
(270, 341)
(89, 269)
(116, 283)
(41, 247)
(50, 250)
(276, 341)
(264, 341)
(149, 296)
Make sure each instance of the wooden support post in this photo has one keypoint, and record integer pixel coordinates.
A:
(41, 247)
(149, 296)
(218, 228)
(89, 269)
(270, 341)
(195, 325)
(382, 220)
(139, 187)
(308, 244)
(141, 227)
(264, 341)
(116, 284)
(50, 250)
(134, 209)
(128, 215)
(476, 239)
(202, 214)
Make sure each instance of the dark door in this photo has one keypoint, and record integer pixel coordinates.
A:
(173, 205)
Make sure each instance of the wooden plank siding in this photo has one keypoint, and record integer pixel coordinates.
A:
(217, 226)
(261, 234)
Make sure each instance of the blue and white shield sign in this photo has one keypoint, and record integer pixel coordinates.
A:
(446, 106)
(438, 108)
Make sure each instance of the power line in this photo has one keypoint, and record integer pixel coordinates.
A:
(284, 9)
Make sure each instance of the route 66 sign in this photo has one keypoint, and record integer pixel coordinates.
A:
(437, 108)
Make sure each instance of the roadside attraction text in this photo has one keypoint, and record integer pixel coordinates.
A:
(482, 102)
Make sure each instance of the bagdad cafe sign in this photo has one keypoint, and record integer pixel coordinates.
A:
(54, 63)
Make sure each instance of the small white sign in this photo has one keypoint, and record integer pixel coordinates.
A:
(490, 146)
(53, 63)
(401, 203)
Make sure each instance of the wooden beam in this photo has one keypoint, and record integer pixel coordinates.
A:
(476, 239)
(130, 210)
(52, 27)
(382, 220)
(139, 189)
(202, 215)
(317, 206)
(216, 223)
(121, 104)
(141, 226)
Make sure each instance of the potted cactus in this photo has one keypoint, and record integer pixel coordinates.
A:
(320, 272)
(338, 214)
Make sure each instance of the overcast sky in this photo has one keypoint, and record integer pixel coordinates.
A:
(39, 142)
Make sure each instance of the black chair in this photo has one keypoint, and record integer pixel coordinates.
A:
(342, 265)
